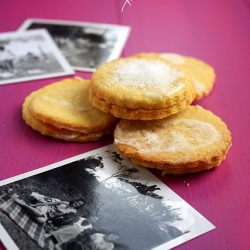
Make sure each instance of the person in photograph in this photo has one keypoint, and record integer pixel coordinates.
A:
(52, 211)
(93, 240)
(99, 242)
(69, 232)
(6, 60)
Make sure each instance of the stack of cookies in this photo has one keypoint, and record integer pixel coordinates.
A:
(158, 128)
(145, 101)
(62, 110)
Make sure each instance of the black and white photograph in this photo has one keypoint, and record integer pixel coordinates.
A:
(30, 55)
(85, 45)
(97, 200)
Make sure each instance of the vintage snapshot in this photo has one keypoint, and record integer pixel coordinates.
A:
(97, 200)
(85, 45)
(30, 55)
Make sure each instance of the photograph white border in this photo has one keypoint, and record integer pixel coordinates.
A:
(66, 69)
(122, 33)
(7, 240)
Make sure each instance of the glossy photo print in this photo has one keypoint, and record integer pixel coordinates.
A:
(97, 200)
(30, 55)
(85, 45)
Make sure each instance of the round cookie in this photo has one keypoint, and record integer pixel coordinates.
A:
(140, 88)
(193, 140)
(63, 134)
(202, 74)
(47, 110)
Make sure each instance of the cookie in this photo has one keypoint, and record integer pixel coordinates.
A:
(62, 110)
(140, 88)
(63, 134)
(193, 140)
(202, 74)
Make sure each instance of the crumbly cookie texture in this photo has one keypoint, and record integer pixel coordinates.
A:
(62, 110)
(140, 88)
(193, 140)
(202, 74)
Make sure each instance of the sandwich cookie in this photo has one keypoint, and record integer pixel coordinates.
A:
(62, 110)
(143, 87)
(193, 140)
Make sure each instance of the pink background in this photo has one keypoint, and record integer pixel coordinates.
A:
(215, 31)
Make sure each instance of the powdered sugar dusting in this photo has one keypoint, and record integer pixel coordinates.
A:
(151, 75)
(174, 136)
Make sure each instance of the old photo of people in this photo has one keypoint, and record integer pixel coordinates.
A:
(96, 200)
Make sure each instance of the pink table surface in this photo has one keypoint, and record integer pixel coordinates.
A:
(215, 31)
